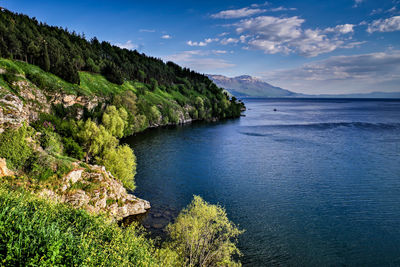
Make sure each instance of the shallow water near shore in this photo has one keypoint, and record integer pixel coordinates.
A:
(314, 183)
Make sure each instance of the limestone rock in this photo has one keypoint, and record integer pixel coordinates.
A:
(4, 171)
(97, 192)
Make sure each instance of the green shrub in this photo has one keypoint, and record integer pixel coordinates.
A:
(51, 142)
(10, 78)
(72, 148)
(173, 116)
(15, 148)
(121, 162)
(154, 115)
(203, 235)
(35, 232)
(41, 166)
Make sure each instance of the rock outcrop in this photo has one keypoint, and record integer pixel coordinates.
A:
(4, 171)
(94, 189)
(89, 187)
(30, 101)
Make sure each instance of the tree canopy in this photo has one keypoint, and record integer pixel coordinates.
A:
(204, 236)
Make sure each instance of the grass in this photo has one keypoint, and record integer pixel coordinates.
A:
(36, 232)
(98, 85)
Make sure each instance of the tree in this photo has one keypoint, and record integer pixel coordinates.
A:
(115, 120)
(154, 115)
(121, 162)
(95, 139)
(203, 235)
(46, 59)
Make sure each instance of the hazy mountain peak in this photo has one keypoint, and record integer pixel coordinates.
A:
(249, 86)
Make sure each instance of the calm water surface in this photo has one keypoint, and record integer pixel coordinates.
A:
(315, 183)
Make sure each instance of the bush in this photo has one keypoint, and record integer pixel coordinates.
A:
(154, 115)
(121, 162)
(35, 232)
(15, 148)
(115, 120)
(203, 235)
(173, 116)
(72, 148)
(51, 142)
(41, 166)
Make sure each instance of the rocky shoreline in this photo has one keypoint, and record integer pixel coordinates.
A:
(89, 187)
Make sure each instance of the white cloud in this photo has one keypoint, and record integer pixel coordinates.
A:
(229, 40)
(147, 30)
(166, 36)
(260, 5)
(201, 60)
(219, 52)
(191, 43)
(286, 35)
(202, 43)
(385, 25)
(237, 13)
(343, 29)
(127, 45)
(281, 8)
(342, 74)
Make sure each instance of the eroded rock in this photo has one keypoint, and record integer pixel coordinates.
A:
(4, 171)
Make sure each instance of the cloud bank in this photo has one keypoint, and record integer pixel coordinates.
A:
(342, 74)
(286, 35)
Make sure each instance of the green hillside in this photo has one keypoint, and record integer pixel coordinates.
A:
(65, 104)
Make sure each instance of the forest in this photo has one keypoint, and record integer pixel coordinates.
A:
(66, 104)
(65, 53)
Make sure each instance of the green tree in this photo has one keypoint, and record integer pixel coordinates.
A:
(95, 139)
(127, 100)
(154, 115)
(46, 59)
(203, 235)
(15, 148)
(115, 120)
(121, 162)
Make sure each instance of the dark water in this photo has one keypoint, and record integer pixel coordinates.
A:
(316, 183)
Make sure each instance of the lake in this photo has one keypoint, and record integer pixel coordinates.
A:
(314, 183)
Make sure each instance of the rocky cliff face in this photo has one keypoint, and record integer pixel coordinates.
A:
(89, 187)
(28, 101)
(95, 189)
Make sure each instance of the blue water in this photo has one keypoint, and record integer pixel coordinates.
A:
(315, 183)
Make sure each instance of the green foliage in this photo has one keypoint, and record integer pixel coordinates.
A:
(41, 166)
(113, 73)
(65, 54)
(127, 100)
(91, 66)
(51, 142)
(72, 148)
(115, 120)
(121, 162)
(203, 235)
(15, 148)
(35, 232)
(154, 115)
(95, 139)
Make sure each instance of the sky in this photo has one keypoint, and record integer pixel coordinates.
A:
(306, 46)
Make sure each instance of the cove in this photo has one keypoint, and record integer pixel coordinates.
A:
(314, 183)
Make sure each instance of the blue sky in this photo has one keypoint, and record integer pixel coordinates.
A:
(308, 46)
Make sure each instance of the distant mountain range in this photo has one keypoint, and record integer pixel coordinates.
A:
(246, 86)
